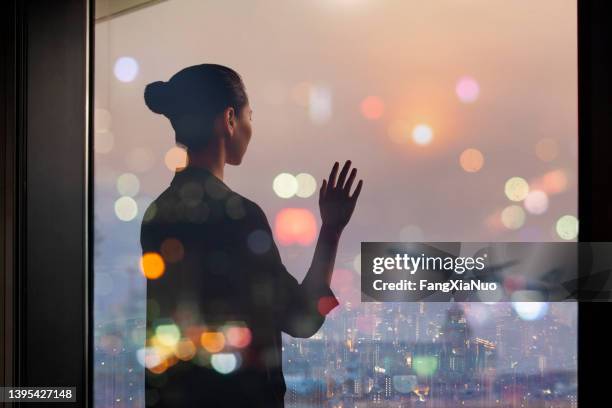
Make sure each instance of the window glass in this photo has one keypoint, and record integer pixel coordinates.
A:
(462, 120)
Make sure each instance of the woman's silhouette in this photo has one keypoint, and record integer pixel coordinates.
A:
(216, 313)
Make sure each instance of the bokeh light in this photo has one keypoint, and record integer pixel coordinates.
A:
(307, 185)
(176, 158)
(553, 182)
(238, 336)
(567, 227)
(224, 363)
(547, 149)
(405, 384)
(172, 250)
(128, 184)
(148, 357)
(516, 189)
(285, 185)
(536, 202)
(530, 310)
(320, 104)
(126, 69)
(168, 334)
(185, 350)
(467, 89)
(152, 265)
(425, 366)
(126, 209)
(422, 134)
(513, 217)
(471, 160)
(191, 193)
(213, 342)
(295, 226)
(104, 142)
(372, 107)
(259, 241)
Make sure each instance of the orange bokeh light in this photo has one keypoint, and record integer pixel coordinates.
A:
(185, 350)
(553, 182)
(295, 226)
(471, 160)
(213, 342)
(372, 107)
(152, 265)
(159, 368)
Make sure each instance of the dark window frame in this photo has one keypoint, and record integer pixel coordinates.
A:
(46, 180)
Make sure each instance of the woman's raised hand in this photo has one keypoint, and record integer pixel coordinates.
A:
(335, 201)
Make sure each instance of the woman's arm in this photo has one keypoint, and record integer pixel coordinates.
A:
(301, 308)
(336, 205)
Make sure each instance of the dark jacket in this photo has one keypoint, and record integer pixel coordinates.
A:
(222, 270)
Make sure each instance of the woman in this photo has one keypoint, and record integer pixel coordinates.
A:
(223, 289)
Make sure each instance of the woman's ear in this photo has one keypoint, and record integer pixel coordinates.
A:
(230, 120)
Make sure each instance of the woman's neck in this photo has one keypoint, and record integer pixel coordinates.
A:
(211, 158)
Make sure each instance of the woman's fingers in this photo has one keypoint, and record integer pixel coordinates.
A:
(357, 191)
(349, 182)
(343, 173)
(332, 175)
(323, 189)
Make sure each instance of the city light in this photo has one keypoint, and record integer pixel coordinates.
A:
(516, 189)
(185, 350)
(172, 250)
(471, 160)
(567, 227)
(530, 310)
(152, 265)
(422, 135)
(320, 104)
(372, 107)
(285, 185)
(126, 209)
(168, 334)
(307, 185)
(238, 336)
(295, 226)
(513, 217)
(128, 184)
(224, 363)
(176, 158)
(213, 342)
(467, 89)
(126, 69)
(425, 366)
(536, 202)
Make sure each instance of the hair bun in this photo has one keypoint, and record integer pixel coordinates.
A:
(156, 97)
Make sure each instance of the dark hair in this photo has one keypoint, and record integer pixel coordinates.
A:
(193, 97)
